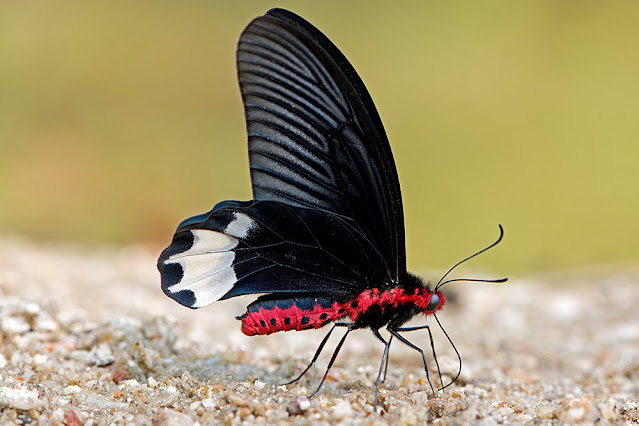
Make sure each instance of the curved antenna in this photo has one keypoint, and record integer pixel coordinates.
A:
(501, 235)
(456, 351)
(473, 280)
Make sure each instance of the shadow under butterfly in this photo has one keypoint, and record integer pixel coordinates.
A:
(322, 241)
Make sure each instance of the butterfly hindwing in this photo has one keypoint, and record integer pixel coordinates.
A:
(315, 137)
(266, 247)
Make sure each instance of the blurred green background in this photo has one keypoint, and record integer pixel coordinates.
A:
(119, 119)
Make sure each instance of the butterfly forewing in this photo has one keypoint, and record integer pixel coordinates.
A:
(315, 137)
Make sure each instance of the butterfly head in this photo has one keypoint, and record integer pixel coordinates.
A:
(435, 302)
(428, 301)
(425, 300)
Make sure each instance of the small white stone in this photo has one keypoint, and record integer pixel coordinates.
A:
(31, 308)
(259, 385)
(152, 382)
(298, 406)
(171, 389)
(44, 322)
(208, 403)
(72, 389)
(3, 361)
(342, 410)
(131, 383)
(22, 399)
(39, 359)
(46, 325)
(304, 404)
(16, 325)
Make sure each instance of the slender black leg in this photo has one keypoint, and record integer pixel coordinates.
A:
(418, 349)
(337, 349)
(432, 348)
(387, 358)
(319, 350)
(419, 327)
(381, 367)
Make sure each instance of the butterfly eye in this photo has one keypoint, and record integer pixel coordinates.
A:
(433, 303)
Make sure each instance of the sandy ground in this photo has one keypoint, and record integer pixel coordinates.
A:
(87, 337)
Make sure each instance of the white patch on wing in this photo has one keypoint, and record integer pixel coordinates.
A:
(241, 226)
(207, 266)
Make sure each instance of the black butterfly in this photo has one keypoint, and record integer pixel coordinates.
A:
(323, 238)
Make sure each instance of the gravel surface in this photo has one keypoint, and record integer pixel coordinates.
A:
(87, 337)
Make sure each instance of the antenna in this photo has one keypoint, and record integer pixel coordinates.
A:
(440, 283)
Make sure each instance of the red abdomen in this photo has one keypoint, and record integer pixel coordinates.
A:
(270, 316)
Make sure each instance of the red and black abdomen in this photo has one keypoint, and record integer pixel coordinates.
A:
(300, 313)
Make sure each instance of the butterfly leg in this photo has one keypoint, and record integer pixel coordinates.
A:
(432, 348)
(337, 349)
(319, 351)
(376, 332)
(418, 349)
(383, 366)
(387, 358)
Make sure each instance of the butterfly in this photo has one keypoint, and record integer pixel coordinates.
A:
(322, 241)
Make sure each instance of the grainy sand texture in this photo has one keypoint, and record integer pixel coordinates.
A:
(87, 337)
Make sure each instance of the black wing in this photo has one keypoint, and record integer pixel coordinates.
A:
(266, 247)
(315, 137)
(327, 211)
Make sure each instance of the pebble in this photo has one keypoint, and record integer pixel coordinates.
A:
(39, 359)
(546, 412)
(237, 400)
(45, 323)
(101, 355)
(608, 413)
(99, 401)
(208, 403)
(69, 390)
(420, 398)
(407, 417)
(298, 405)
(71, 418)
(14, 325)
(342, 410)
(21, 399)
(170, 417)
